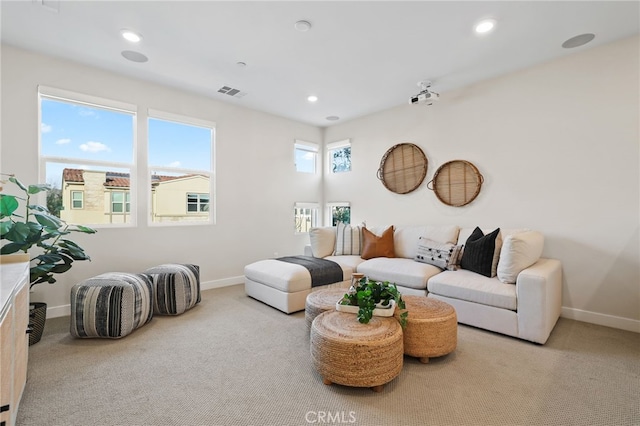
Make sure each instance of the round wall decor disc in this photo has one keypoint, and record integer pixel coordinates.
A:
(456, 183)
(403, 168)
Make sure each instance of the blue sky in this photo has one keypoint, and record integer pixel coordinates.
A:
(81, 132)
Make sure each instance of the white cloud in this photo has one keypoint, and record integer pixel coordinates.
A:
(45, 128)
(63, 141)
(174, 164)
(92, 146)
(86, 112)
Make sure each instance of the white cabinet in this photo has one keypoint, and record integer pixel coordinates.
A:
(14, 341)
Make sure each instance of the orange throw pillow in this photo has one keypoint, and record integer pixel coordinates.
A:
(374, 246)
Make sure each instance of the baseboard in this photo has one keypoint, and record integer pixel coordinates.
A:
(601, 319)
(65, 310)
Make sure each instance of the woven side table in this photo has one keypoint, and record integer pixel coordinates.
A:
(432, 328)
(321, 301)
(346, 352)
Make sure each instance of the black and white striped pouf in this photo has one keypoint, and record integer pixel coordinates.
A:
(176, 288)
(111, 305)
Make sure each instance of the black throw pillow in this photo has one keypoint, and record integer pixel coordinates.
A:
(478, 252)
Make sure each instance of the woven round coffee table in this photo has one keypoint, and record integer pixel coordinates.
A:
(432, 328)
(321, 301)
(349, 353)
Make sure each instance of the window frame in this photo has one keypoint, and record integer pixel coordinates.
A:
(333, 146)
(314, 148)
(94, 102)
(155, 169)
(314, 215)
(73, 192)
(329, 211)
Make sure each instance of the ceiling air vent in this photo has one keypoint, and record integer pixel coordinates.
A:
(236, 93)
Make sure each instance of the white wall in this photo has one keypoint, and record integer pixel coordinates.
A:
(558, 146)
(256, 180)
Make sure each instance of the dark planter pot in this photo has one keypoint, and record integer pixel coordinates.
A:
(37, 318)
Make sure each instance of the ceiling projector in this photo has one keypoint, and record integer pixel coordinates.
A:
(425, 96)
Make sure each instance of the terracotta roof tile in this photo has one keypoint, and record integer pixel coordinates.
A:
(72, 175)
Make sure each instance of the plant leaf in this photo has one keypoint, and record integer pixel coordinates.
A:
(10, 248)
(34, 189)
(18, 233)
(17, 182)
(38, 208)
(48, 221)
(84, 229)
(8, 205)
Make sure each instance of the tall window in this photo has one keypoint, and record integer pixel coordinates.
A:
(339, 156)
(306, 156)
(77, 198)
(339, 212)
(85, 143)
(305, 216)
(181, 166)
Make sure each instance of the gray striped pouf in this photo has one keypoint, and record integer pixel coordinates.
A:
(111, 305)
(176, 288)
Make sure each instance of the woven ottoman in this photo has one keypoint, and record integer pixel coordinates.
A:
(349, 353)
(432, 328)
(176, 288)
(321, 301)
(111, 305)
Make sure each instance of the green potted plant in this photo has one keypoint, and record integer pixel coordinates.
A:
(371, 297)
(24, 225)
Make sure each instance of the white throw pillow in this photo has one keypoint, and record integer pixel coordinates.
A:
(348, 240)
(322, 241)
(519, 251)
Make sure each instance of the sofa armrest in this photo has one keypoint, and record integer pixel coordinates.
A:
(539, 296)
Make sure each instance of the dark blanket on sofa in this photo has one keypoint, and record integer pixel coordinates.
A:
(322, 271)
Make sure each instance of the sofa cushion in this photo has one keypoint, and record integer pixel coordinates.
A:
(405, 238)
(442, 255)
(322, 241)
(348, 239)
(481, 252)
(377, 246)
(348, 263)
(519, 251)
(400, 271)
(472, 287)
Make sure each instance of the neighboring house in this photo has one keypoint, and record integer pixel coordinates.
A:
(93, 197)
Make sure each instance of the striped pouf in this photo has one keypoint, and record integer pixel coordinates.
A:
(176, 288)
(111, 305)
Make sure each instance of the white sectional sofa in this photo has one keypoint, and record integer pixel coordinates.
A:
(523, 299)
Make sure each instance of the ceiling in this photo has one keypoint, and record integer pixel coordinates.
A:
(358, 57)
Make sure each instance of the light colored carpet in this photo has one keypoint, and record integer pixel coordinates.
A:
(232, 360)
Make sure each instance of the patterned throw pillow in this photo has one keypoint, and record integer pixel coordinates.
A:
(442, 255)
(481, 252)
(348, 240)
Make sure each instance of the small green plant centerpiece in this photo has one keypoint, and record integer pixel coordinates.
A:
(24, 225)
(368, 295)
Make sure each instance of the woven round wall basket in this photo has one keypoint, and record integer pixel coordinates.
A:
(456, 183)
(403, 168)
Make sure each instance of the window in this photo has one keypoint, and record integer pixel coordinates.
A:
(77, 199)
(339, 156)
(120, 202)
(181, 169)
(86, 149)
(339, 212)
(305, 216)
(306, 154)
(197, 203)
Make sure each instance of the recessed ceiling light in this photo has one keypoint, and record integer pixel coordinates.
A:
(131, 36)
(485, 26)
(312, 98)
(578, 40)
(134, 56)
(333, 118)
(302, 26)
